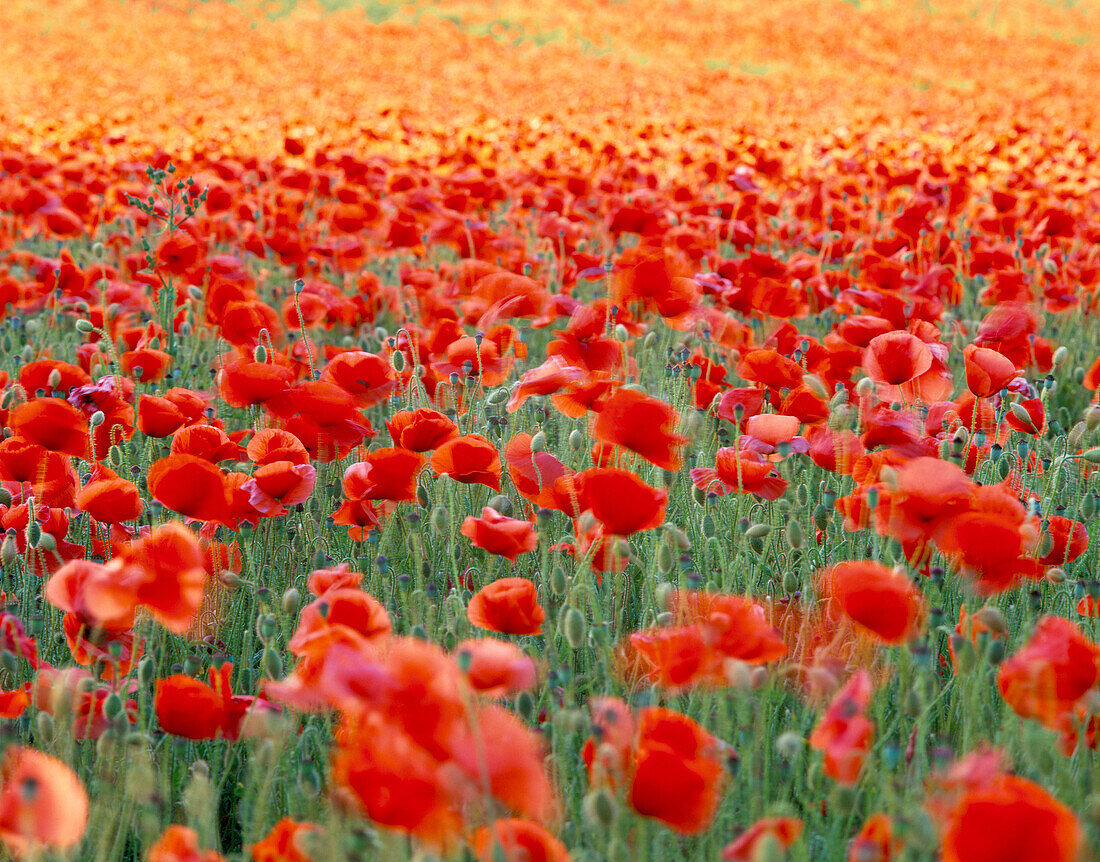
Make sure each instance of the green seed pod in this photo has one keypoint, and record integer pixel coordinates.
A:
(599, 809)
(112, 706)
(707, 526)
(114, 456)
(663, 594)
(191, 665)
(498, 396)
(558, 582)
(790, 745)
(291, 601)
(665, 558)
(8, 550)
(397, 361)
(756, 544)
(576, 440)
(791, 582)
(419, 633)
(1004, 467)
(698, 495)
(34, 534)
(44, 726)
(794, 535)
(802, 495)
(501, 503)
(758, 531)
(84, 326)
(821, 516)
(260, 353)
(440, 520)
(538, 442)
(574, 627)
(273, 663)
(147, 672)
(525, 705)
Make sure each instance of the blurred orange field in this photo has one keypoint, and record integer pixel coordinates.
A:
(990, 83)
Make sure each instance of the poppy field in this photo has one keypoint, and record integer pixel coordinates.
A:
(518, 431)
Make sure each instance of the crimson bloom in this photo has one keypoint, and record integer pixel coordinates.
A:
(642, 424)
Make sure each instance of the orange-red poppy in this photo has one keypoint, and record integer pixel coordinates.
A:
(42, 802)
(470, 459)
(882, 602)
(509, 606)
(642, 424)
(497, 534)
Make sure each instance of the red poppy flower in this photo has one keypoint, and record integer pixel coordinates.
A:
(368, 378)
(875, 841)
(844, 732)
(505, 537)
(206, 441)
(420, 430)
(642, 424)
(470, 459)
(283, 843)
(110, 500)
(514, 840)
(620, 501)
(496, 668)
(244, 383)
(1051, 672)
(384, 474)
(987, 371)
(1068, 540)
(42, 802)
(279, 484)
(509, 606)
(191, 709)
(274, 444)
(676, 771)
(536, 475)
(53, 423)
(743, 472)
(180, 844)
(880, 601)
(192, 486)
(1011, 820)
(895, 358)
(342, 613)
(785, 830)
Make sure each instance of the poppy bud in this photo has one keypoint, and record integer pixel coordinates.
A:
(501, 504)
(665, 559)
(5, 497)
(105, 745)
(44, 724)
(1092, 455)
(419, 633)
(260, 353)
(273, 663)
(621, 332)
(966, 656)
(498, 396)
(758, 531)
(538, 442)
(574, 627)
(698, 495)
(8, 550)
(707, 526)
(557, 581)
(599, 809)
(34, 534)
(525, 705)
(112, 706)
(440, 519)
(576, 441)
(794, 534)
(309, 779)
(995, 652)
(1060, 356)
(229, 579)
(664, 593)
(1004, 467)
(291, 600)
(1077, 435)
(789, 745)
(1056, 575)
(84, 326)
(1092, 417)
(97, 419)
(266, 627)
(791, 582)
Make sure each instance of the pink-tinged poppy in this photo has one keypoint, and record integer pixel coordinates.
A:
(844, 732)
